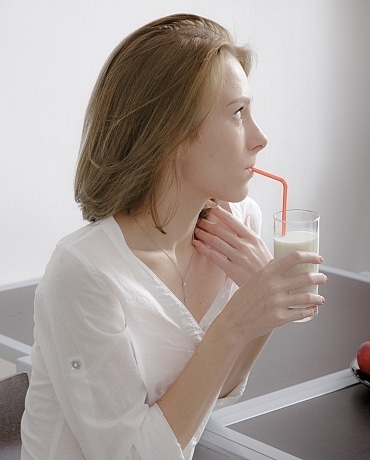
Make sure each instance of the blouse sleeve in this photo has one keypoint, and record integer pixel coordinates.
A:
(233, 397)
(85, 342)
(247, 208)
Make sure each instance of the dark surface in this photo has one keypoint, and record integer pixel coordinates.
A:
(335, 426)
(299, 352)
(12, 395)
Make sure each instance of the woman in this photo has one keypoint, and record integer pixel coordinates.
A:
(156, 311)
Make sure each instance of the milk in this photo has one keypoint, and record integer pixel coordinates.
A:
(301, 241)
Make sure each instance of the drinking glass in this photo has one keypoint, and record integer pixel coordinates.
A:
(298, 230)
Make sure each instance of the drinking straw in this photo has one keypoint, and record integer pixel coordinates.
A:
(285, 192)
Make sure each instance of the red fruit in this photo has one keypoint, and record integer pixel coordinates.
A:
(363, 357)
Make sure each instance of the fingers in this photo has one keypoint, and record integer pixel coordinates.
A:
(300, 280)
(302, 313)
(229, 221)
(238, 256)
(216, 256)
(298, 257)
(218, 229)
(219, 239)
(213, 233)
(296, 307)
(299, 276)
(305, 299)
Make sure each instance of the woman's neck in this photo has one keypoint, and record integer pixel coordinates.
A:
(179, 231)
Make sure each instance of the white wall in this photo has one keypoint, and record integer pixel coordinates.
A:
(312, 98)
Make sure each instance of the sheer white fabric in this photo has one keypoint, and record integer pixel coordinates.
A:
(110, 338)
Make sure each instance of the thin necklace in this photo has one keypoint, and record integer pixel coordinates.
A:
(183, 277)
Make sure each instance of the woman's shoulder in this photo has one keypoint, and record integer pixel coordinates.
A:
(89, 234)
(92, 245)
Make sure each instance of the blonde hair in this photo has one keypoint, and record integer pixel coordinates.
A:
(153, 93)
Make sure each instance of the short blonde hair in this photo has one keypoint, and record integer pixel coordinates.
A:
(153, 93)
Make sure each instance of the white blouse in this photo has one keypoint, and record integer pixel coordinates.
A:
(110, 338)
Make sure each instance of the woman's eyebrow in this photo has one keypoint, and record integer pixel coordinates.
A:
(246, 100)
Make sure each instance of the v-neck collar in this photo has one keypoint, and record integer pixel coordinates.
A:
(113, 230)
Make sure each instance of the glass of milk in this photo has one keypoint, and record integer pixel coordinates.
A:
(299, 231)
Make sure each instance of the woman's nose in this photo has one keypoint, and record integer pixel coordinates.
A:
(256, 138)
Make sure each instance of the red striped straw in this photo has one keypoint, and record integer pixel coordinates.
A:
(285, 192)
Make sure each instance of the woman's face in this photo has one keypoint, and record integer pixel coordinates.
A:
(218, 162)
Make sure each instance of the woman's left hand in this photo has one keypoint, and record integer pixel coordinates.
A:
(231, 245)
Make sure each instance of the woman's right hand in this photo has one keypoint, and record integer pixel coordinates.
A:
(263, 302)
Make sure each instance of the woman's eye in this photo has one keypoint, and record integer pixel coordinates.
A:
(239, 114)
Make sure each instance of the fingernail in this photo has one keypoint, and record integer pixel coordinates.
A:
(211, 204)
(322, 299)
(321, 259)
(196, 243)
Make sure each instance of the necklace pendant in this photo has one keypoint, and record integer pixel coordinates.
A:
(183, 278)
